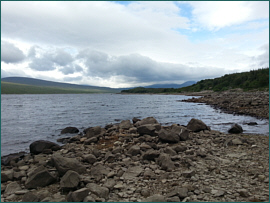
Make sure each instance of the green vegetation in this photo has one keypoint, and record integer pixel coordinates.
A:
(254, 79)
(15, 88)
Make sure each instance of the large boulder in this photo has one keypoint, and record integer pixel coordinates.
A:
(148, 120)
(70, 180)
(40, 145)
(41, 177)
(63, 164)
(70, 130)
(196, 125)
(94, 132)
(5, 160)
(168, 136)
(126, 124)
(181, 131)
(78, 195)
(235, 129)
(149, 129)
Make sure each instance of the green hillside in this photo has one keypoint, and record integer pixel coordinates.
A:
(15, 88)
(254, 79)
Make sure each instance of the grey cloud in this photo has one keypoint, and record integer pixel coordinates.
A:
(10, 53)
(50, 60)
(142, 69)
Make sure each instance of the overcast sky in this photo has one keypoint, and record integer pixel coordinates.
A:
(136, 43)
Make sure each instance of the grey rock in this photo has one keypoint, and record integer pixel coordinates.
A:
(181, 132)
(173, 199)
(179, 148)
(235, 129)
(30, 197)
(78, 195)
(170, 151)
(99, 171)
(188, 173)
(196, 125)
(165, 162)
(110, 183)
(7, 175)
(70, 180)
(91, 140)
(109, 157)
(126, 124)
(101, 192)
(63, 164)
(18, 175)
(237, 141)
(135, 120)
(148, 120)
(69, 130)
(243, 192)
(134, 150)
(89, 199)
(40, 145)
(132, 172)
(12, 188)
(218, 193)
(148, 129)
(94, 131)
(15, 157)
(39, 178)
(155, 198)
(168, 136)
(90, 158)
(150, 155)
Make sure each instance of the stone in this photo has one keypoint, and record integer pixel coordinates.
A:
(99, 171)
(70, 130)
(150, 155)
(188, 173)
(12, 188)
(91, 140)
(252, 123)
(89, 199)
(132, 172)
(7, 175)
(181, 132)
(109, 157)
(5, 160)
(218, 193)
(78, 195)
(170, 151)
(30, 197)
(173, 199)
(237, 141)
(165, 162)
(182, 192)
(179, 148)
(70, 180)
(155, 198)
(93, 132)
(235, 129)
(243, 192)
(125, 124)
(38, 146)
(63, 164)
(168, 136)
(148, 129)
(196, 125)
(101, 192)
(90, 158)
(148, 120)
(135, 120)
(18, 175)
(39, 178)
(134, 150)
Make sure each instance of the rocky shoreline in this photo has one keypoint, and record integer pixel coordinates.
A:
(236, 102)
(141, 161)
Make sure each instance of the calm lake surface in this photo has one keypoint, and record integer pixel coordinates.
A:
(27, 118)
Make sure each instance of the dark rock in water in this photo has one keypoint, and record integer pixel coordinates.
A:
(196, 125)
(39, 178)
(40, 145)
(5, 160)
(63, 164)
(70, 130)
(235, 129)
(252, 123)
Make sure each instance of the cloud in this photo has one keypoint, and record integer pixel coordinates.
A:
(215, 15)
(262, 60)
(10, 53)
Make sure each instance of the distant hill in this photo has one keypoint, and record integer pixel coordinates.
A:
(24, 85)
(254, 79)
(185, 84)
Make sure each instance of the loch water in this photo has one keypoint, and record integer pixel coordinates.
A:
(27, 118)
